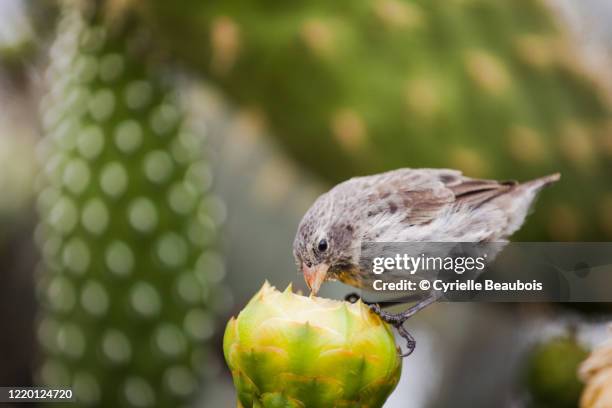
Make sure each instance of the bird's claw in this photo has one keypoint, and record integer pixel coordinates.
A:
(397, 321)
(410, 341)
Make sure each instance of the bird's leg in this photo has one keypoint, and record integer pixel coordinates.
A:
(391, 318)
(397, 320)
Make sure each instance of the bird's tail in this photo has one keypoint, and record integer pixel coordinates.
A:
(541, 182)
(518, 202)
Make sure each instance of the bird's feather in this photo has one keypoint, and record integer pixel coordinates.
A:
(435, 205)
(409, 205)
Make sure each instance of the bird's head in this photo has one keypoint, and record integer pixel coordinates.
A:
(325, 242)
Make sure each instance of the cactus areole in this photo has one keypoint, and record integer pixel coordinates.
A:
(288, 350)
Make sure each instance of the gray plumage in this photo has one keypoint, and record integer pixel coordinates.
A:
(422, 205)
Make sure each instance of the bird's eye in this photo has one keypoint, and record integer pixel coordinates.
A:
(322, 245)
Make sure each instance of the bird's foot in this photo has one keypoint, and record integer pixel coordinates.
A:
(391, 318)
(397, 320)
(410, 341)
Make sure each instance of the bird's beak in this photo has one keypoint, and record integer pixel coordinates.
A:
(315, 276)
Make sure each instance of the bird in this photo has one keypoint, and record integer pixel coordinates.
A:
(405, 205)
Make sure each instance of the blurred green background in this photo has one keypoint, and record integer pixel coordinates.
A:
(156, 158)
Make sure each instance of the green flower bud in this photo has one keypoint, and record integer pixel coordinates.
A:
(288, 350)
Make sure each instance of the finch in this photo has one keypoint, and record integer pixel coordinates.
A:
(405, 205)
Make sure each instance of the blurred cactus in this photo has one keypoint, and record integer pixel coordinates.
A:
(493, 88)
(17, 173)
(128, 225)
(552, 373)
(289, 350)
(16, 34)
(596, 372)
(17, 262)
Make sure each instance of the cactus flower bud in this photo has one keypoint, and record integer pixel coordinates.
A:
(289, 350)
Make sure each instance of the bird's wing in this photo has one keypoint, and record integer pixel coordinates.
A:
(476, 192)
(420, 195)
(442, 205)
